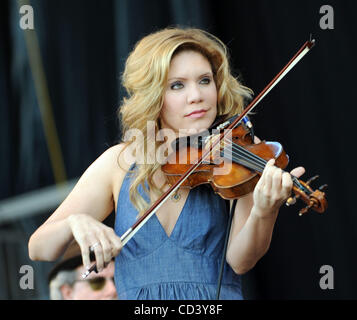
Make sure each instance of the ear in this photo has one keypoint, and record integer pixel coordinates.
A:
(67, 291)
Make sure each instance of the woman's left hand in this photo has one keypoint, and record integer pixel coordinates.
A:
(272, 189)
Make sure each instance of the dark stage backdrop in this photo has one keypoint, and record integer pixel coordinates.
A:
(83, 46)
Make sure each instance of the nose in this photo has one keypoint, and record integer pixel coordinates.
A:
(194, 94)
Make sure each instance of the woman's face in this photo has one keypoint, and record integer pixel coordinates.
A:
(190, 99)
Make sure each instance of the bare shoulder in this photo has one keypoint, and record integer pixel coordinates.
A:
(94, 193)
(120, 162)
(105, 167)
(115, 158)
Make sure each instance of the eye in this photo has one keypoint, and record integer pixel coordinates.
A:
(176, 85)
(205, 80)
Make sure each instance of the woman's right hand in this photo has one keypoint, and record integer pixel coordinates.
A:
(90, 233)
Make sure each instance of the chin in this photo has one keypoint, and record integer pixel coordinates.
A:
(202, 124)
(195, 128)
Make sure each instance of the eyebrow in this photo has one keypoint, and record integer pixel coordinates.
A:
(200, 76)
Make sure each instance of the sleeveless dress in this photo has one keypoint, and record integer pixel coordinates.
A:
(182, 266)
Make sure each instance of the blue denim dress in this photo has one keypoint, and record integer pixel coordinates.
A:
(184, 266)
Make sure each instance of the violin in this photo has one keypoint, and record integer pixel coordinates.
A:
(247, 161)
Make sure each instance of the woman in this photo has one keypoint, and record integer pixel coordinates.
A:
(178, 81)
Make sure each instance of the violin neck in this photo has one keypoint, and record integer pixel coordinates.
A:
(244, 157)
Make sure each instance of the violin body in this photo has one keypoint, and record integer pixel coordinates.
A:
(239, 175)
(233, 180)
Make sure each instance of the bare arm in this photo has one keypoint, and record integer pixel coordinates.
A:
(250, 235)
(255, 216)
(79, 216)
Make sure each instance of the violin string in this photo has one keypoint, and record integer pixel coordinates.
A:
(252, 161)
(241, 159)
(245, 162)
(241, 153)
(263, 162)
(244, 152)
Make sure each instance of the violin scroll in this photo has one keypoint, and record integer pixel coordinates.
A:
(315, 199)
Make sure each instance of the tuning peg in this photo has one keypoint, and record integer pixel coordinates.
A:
(306, 209)
(324, 186)
(291, 201)
(311, 179)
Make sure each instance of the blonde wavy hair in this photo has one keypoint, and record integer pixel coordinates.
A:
(145, 80)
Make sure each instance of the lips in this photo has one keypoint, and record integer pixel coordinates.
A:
(198, 112)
